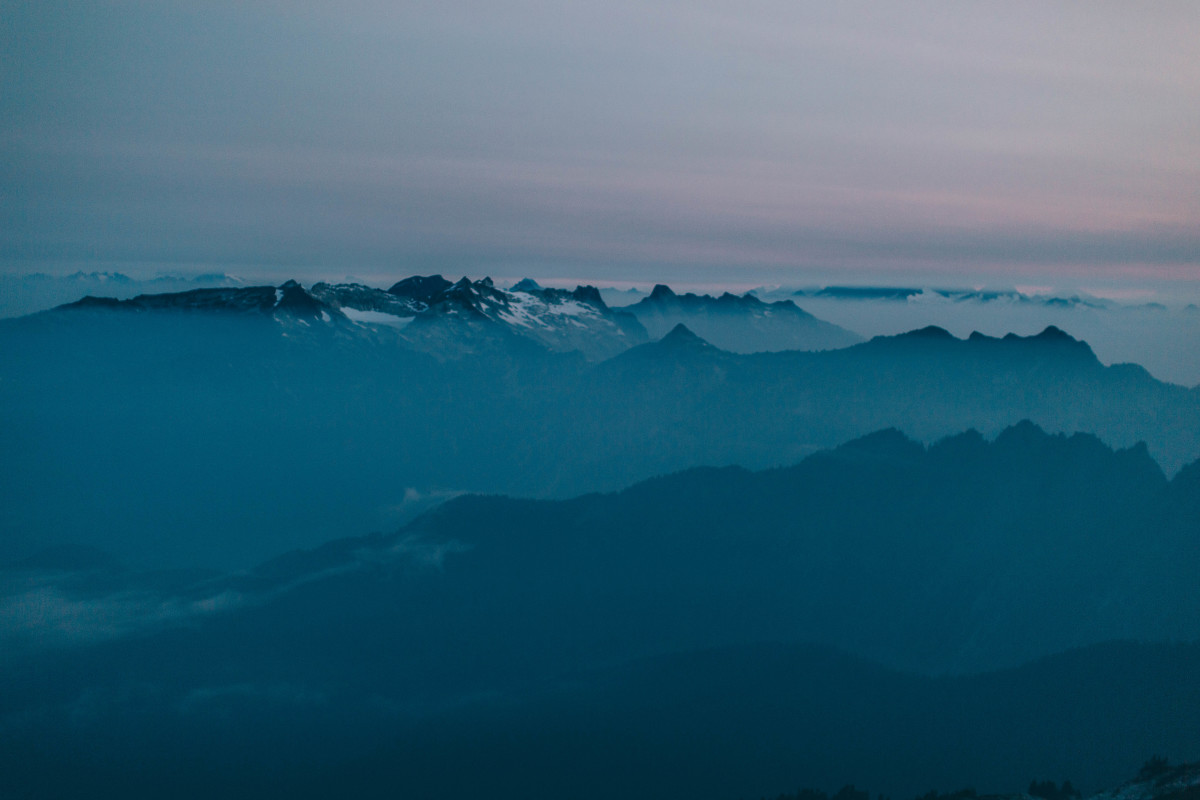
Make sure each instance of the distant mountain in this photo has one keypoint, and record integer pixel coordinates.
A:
(1163, 340)
(349, 298)
(560, 320)
(27, 294)
(621, 298)
(611, 645)
(964, 556)
(740, 324)
(451, 317)
(309, 420)
(290, 301)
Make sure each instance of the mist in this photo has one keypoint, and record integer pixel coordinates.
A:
(626, 399)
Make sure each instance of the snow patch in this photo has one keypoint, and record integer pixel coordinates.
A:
(375, 317)
(573, 308)
(530, 311)
(523, 310)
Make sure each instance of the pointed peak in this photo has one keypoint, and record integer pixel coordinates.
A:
(1055, 340)
(681, 332)
(681, 335)
(295, 300)
(528, 285)
(929, 332)
(661, 292)
(1055, 334)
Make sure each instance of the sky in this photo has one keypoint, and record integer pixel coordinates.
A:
(756, 141)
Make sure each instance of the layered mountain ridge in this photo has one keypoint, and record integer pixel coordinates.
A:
(561, 320)
(742, 324)
(712, 632)
(308, 410)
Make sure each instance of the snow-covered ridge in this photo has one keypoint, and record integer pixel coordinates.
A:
(558, 319)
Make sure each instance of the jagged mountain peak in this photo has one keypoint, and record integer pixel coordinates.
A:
(1051, 341)
(590, 295)
(422, 288)
(681, 335)
(886, 443)
(740, 323)
(557, 319)
(1054, 333)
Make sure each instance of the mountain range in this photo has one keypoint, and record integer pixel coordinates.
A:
(27, 294)
(228, 424)
(557, 319)
(739, 324)
(885, 613)
(911, 562)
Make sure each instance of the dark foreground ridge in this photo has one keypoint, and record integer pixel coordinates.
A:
(1158, 779)
(970, 613)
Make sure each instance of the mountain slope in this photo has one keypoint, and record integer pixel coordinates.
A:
(608, 645)
(739, 324)
(306, 424)
(963, 556)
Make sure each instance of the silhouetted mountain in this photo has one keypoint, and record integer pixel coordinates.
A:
(679, 339)
(287, 418)
(1021, 547)
(622, 298)
(608, 645)
(27, 294)
(423, 289)
(1161, 340)
(965, 555)
(740, 324)
(526, 285)
(453, 318)
(290, 299)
